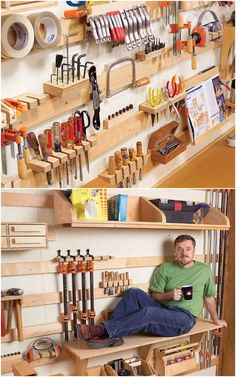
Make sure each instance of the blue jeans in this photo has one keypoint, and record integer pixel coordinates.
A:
(138, 312)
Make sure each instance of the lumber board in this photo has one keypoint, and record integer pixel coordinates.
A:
(50, 267)
(10, 199)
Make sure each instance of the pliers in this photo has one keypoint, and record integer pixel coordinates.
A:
(176, 86)
(155, 100)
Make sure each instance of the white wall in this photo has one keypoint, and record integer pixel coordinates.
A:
(115, 242)
(28, 74)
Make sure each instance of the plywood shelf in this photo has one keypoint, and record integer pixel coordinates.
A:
(141, 214)
(81, 351)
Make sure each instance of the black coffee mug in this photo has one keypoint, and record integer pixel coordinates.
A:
(187, 292)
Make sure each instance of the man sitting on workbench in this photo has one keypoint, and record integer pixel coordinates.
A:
(166, 311)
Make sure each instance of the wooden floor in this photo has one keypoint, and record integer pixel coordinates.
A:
(212, 168)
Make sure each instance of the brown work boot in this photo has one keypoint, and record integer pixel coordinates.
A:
(92, 332)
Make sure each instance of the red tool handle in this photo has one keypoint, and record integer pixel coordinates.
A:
(63, 132)
(49, 141)
(78, 130)
(70, 129)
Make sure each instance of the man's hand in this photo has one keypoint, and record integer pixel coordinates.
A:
(177, 294)
(221, 322)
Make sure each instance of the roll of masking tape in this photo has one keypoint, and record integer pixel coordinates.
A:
(17, 37)
(47, 29)
(231, 141)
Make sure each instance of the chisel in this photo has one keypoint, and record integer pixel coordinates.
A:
(25, 147)
(22, 168)
(57, 138)
(65, 140)
(43, 145)
(49, 141)
(70, 140)
(34, 145)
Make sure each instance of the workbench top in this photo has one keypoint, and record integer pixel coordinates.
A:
(81, 351)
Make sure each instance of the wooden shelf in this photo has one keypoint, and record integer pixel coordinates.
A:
(141, 214)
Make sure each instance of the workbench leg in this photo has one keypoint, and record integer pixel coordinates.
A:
(146, 352)
(80, 367)
(19, 321)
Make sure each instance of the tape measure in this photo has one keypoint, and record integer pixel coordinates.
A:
(231, 140)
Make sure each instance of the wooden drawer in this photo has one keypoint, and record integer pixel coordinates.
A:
(27, 229)
(27, 242)
(4, 243)
(3, 230)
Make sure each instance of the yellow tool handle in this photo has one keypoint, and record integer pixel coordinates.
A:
(190, 45)
(26, 153)
(22, 168)
(180, 20)
(112, 165)
(194, 61)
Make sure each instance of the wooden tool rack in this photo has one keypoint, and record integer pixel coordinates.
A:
(56, 101)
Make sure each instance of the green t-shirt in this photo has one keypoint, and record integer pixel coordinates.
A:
(170, 275)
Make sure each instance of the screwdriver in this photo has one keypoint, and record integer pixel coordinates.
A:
(57, 138)
(49, 141)
(71, 136)
(78, 132)
(43, 145)
(65, 141)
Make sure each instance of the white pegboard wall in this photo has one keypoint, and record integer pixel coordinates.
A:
(28, 74)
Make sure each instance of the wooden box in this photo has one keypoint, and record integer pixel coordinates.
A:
(160, 138)
(143, 369)
(175, 360)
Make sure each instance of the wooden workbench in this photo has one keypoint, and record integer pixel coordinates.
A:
(145, 343)
(212, 168)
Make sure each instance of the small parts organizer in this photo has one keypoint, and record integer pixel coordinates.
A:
(125, 167)
(115, 283)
